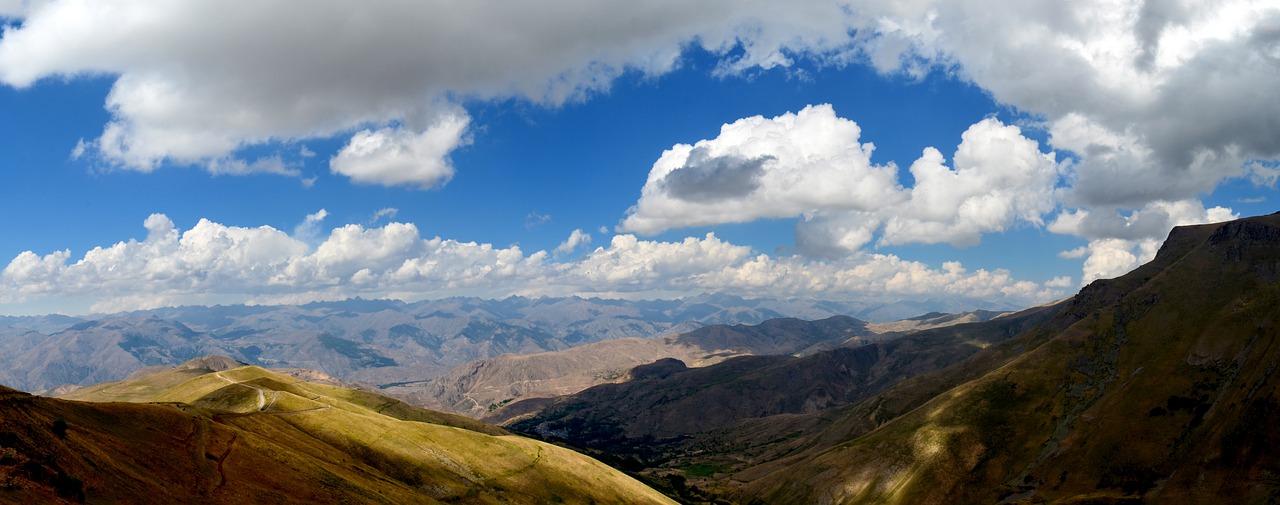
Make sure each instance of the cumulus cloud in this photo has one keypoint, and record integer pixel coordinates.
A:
(707, 179)
(1119, 242)
(812, 165)
(395, 156)
(576, 239)
(12, 8)
(1181, 90)
(1171, 91)
(1000, 177)
(1158, 102)
(768, 168)
(196, 81)
(214, 263)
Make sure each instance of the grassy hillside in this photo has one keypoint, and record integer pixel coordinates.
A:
(249, 435)
(689, 427)
(1163, 390)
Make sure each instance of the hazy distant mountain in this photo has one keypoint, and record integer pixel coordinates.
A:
(214, 432)
(1155, 387)
(367, 341)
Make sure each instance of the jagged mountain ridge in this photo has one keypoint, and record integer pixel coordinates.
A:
(1157, 386)
(214, 434)
(364, 341)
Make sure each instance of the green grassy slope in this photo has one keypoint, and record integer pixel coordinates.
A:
(249, 435)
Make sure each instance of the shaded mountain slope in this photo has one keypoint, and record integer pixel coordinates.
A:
(1158, 386)
(479, 387)
(667, 411)
(1163, 390)
(248, 435)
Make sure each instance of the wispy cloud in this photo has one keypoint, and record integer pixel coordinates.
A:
(576, 239)
(534, 220)
(387, 213)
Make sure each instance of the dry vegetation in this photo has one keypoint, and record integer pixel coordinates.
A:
(249, 435)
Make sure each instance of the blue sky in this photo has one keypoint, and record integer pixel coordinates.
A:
(638, 151)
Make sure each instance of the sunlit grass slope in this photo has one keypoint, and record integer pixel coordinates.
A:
(249, 435)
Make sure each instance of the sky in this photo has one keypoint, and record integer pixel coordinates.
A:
(182, 153)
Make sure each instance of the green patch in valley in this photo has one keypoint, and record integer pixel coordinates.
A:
(704, 469)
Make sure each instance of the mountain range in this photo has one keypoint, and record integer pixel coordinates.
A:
(374, 342)
(1154, 387)
(481, 386)
(1158, 386)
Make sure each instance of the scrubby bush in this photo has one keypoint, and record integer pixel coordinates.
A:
(60, 427)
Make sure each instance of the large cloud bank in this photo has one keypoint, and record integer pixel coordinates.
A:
(1168, 97)
(212, 263)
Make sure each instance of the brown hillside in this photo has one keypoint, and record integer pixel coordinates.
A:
(1162, 391)
(247, 435)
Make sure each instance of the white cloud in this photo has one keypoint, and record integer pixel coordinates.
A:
(1159, 101)
(1181, 89)
(1119, 243)
(1000, 177)
(12, 8)
(394, 156)
(236, 166)
(764, 168)
(576, 239)
(384, 213)
(309, 229)
(1263, 174)
(214, 263)
(811, 164)
(1058, 282)
(1073, 254)
(1113, 257)
(197, 81)
(1172, 90)
(534, 220)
